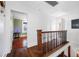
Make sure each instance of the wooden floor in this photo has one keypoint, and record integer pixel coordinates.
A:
(32, 52)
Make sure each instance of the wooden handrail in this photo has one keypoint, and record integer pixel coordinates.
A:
(53, 31)
(48, 40)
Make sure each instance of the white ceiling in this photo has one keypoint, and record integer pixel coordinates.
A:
(63, 7)
(68, 7)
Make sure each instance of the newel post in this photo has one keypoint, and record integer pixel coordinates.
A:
(39, 38)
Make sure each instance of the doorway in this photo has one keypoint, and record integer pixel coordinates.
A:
(19, 30)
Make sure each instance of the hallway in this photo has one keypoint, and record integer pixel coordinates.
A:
(20, 21)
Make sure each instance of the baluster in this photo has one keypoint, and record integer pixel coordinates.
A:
(62, 37)
(49, 46)
(59, 38)
(45, 44)
(65, 36)
(48, 42)
(56, 39)
(54, 43)
(44, 38)
(51, 41)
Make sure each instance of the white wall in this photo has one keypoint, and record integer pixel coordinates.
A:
(1, 32)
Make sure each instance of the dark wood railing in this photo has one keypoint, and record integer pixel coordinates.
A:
(48, 43)
(49, 40)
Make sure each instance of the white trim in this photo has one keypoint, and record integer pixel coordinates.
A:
(55, 54)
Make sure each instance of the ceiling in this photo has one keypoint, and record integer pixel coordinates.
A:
(68, 7)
